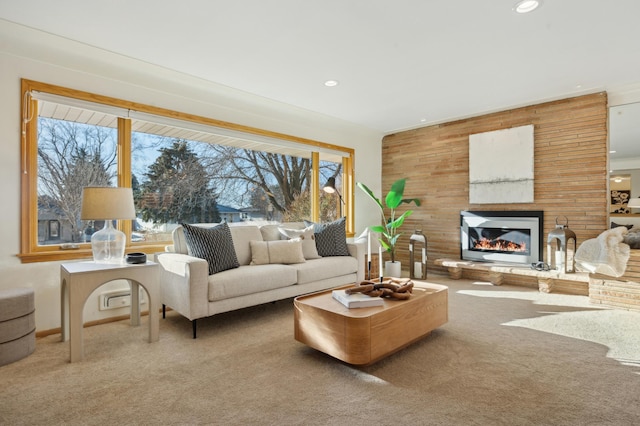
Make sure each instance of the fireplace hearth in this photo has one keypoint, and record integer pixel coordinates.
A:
(501, 236)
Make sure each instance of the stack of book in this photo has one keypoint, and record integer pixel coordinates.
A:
(356, 300)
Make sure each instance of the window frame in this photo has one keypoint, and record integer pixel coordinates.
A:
(30, 251)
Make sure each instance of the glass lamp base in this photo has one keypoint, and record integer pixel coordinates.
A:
(108, 244)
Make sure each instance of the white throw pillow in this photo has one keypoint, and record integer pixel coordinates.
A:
(281, 251)
(308, 239)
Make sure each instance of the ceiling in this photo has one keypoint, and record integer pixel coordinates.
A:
(400, 64)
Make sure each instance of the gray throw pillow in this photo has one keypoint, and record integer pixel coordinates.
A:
(632, 238)
(215, 245)
(615, 225)
(331, 238)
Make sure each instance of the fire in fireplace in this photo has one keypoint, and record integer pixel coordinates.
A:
(501, 236)
(515, 240)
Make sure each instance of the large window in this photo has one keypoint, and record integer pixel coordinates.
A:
(182, 169)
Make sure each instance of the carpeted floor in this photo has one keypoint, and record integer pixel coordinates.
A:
(507, 356)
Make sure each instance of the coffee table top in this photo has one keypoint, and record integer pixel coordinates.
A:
(325, 301)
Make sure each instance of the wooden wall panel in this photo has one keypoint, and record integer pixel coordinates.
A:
(570, 171)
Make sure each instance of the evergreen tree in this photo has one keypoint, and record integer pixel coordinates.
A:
(178, 189)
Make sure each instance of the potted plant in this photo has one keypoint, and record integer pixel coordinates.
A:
(389, 227)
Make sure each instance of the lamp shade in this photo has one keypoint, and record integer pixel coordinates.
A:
(634, 203)
(107, 203)
(330, 186)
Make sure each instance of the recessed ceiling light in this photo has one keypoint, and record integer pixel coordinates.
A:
(526, 6)
(331, 83)
(612, 152)
(423, 120)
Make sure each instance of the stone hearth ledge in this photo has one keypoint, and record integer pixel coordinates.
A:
(548, 281)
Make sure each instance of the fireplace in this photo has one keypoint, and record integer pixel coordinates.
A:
(501, 236)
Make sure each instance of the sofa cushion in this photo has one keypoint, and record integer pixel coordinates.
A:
(285, 251)
(242, 237)
(271, 231)
(179, 242)
(307, 236)
(331, 238)
(249, 280)
(215, 245)
(325, 267)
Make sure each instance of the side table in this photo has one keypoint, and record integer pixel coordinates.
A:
(79, 279)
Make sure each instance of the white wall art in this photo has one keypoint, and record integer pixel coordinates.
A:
(501, 166)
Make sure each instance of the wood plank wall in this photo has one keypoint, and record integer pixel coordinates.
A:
(570, 171)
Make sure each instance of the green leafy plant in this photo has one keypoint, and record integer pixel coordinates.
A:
(390, 226)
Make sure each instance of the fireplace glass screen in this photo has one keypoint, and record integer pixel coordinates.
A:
(501, 236)
(497, 240)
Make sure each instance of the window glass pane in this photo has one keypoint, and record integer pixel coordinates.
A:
(263, 185)
(179, 176)
(171, 185)
(71, 155)
(331, 203)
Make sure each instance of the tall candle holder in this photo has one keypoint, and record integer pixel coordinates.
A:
(418, 242)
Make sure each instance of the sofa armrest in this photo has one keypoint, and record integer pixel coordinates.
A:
(359, 251)
(184, 284)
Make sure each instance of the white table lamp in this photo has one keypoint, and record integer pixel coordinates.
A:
(108, 204)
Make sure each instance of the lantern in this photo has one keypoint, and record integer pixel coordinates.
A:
(561, 248)
(418, 244)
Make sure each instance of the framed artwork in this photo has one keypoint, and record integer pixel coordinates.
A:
(619, 200)
(501, 166)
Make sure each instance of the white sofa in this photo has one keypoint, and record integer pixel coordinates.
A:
(187, 287)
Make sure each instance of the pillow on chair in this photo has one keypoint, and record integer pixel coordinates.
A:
(632, 238)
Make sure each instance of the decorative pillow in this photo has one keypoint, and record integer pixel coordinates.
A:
(308, 240)
(331, 238)
(279, 251)
(271, 232)
(615, 225)
(215, 245)
(632, 238)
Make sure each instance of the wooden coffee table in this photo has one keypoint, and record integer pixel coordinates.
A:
(362, 336)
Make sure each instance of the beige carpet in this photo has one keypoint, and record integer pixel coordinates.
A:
(507, 356)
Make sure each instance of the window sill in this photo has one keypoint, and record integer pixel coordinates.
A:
(57, 254)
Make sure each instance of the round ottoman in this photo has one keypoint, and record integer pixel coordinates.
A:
(17, 324)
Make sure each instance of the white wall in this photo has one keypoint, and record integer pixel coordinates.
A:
(25, 53)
